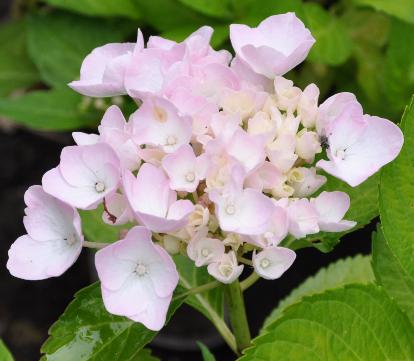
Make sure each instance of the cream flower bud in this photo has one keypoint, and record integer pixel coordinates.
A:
(262, 123)
(308, 106)
(309, 184)
(233, 240)
(287, 95)
(199, 217)
(281, 152)
(239, 102)
(307, 145)
(226, 270)
(171, 244)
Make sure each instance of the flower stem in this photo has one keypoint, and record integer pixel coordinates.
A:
(249, 281)
(238, 316)
(199, 289)
(98, 245)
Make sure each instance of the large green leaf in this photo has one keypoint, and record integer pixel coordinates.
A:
(397, 198)
(364, 208)
(96, 230)
(165, 15)
(403, 9)
(391, 275)
(357, 322)
(215, 8)
(58, 42)
(399, 65)
(252, 12)
(209, 303)
(5, 354)
(87, 332)
(333, 45)
(60, 109)
(345, 271)
(126, 8)
(16, 69)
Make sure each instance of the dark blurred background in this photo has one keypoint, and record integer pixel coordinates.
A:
(362, 49)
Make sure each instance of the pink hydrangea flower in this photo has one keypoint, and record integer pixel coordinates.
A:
(137, 278)
(225, 269)
(85, 176)
(154, 204)
(332, 207)
(277, 45)
(204, 250)
(158, 123)
(359, 145)
(272, 262)
(103, 70)
(53, 241)
(116, 132)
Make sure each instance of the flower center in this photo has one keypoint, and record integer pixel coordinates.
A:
(71, 240)
(230, 209)
(141, 269)
(264, 263)
(340, 153)
(205, 252)
(269, 235)
(225, 269)
(190, 177)
(160, 114)
(171, 140)
(99, 187)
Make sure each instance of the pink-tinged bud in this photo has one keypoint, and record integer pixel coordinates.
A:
(277, 45)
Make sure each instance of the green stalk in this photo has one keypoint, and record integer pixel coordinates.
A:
(238, 318)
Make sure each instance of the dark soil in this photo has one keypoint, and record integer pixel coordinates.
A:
(27, 309)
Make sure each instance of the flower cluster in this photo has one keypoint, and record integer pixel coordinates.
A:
(221, 160)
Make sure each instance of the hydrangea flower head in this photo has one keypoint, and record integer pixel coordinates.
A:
(223, 161)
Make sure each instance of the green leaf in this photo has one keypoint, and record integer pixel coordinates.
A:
(403, 9)
(58, 42)
(399, 66)
(5, 354)
(333, 45)
(209, 303)
(87, 332)
(391, 275)
(357, 322)
(345, 271)
(126, 8)
(16, 69)
(165, 15)
(252, 12)
(60, 109)
(205, 352)
(364, 208)
(215, 8)
(220, 35)
(397, 198)
(96, 230)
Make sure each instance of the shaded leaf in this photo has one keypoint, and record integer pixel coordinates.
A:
(87, 332)
(403, 9)
(205, 352)
(16, 69)
(333, 45)
(60, 109)
(58, 42)
(209, 303)
(214, 8)
(5, 354)
(357, 322)
(391, 275)
(345, 271)
(397, 198)
(126, 8)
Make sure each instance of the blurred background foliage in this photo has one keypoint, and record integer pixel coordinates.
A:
(363, 46)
